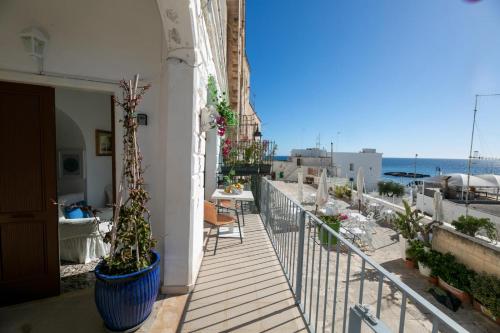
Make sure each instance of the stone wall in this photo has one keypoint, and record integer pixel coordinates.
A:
(475, 253)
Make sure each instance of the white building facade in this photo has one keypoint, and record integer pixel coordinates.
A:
(342, 165)
(175, 45)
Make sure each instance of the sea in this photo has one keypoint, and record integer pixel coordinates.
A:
(431, 166)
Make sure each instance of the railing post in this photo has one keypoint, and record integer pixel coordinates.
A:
(268, 199)
(300, 256)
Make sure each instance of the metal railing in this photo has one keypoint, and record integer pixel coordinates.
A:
(333, 281)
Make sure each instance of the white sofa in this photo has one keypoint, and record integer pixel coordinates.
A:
(81, 240)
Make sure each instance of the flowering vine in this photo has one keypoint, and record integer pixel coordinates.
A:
(226, 115)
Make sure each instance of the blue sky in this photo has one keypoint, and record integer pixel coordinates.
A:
(399, 76)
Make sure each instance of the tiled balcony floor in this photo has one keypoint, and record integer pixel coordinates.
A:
(242, 288)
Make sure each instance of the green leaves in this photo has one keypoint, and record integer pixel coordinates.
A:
(390, 189)
(471, 225)
(131, 239)
(408, 223)
(486, 289)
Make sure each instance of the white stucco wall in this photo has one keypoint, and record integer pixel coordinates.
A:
(92, 46)
(370, 162)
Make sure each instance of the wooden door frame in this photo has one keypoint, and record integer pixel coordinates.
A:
(72, 83)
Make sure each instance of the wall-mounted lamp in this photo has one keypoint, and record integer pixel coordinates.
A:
(142, 119)
(257, 135)
(208, 118)
(35, 42)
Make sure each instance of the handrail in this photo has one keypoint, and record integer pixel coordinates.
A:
(443, 318)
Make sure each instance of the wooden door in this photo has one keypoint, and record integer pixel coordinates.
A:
(29, 257)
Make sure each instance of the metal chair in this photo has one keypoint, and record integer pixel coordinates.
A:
(217, 220)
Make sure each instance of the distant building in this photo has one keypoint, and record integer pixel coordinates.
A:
(342, 165)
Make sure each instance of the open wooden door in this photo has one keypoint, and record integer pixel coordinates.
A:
(29, 257)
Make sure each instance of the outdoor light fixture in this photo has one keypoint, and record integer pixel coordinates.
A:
(35, 42)
(142, 119)
(208, 118)
(257, 134)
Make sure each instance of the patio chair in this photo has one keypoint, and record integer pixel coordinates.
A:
(217, 220)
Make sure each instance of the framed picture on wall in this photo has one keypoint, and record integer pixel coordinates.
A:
(71, 163)
(103, 143)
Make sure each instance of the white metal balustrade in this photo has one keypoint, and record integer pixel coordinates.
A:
(335, 284)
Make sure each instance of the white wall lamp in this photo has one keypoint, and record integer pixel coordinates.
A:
(35, 42)
(209, 117)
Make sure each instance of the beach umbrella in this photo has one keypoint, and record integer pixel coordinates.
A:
(360, 184)
(322, 192)
(300, 186)
(438, 206)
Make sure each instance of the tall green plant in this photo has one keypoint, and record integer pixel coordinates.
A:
(131, 239)
(407, 223)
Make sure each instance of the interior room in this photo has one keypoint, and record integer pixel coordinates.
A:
(85, 195)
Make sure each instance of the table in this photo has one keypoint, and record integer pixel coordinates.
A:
(219, 194)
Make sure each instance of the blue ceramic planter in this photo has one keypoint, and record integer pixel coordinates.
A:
(125, 301)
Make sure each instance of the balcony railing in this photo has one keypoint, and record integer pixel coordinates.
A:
(331, 278)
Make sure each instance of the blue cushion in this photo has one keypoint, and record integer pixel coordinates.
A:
(75, 213)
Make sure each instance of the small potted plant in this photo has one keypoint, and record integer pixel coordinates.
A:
(485, 290)
(417, 252)
(128, 280)
(334, 222)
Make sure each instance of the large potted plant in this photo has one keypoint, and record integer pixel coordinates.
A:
(486, 291)
(128, 280)
(453, 276)
(406, 223)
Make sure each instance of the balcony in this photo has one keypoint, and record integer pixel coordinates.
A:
(281, 279)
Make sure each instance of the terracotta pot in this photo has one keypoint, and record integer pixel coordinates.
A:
(485, 311)
(433, 280)
(460, 294)
(409, 263)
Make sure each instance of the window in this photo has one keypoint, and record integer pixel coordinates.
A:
(351, 166)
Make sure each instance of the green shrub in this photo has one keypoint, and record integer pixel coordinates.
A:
(418, 252)
(343, 192)
(390, 189)
(448, 269)
(471, 225)
(486, 289)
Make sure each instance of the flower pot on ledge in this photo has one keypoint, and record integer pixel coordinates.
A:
(460, 294)
(485, 311)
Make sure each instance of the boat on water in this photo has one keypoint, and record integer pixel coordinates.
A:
(405, 174)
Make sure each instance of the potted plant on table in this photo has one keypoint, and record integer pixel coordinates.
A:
(128, 280)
